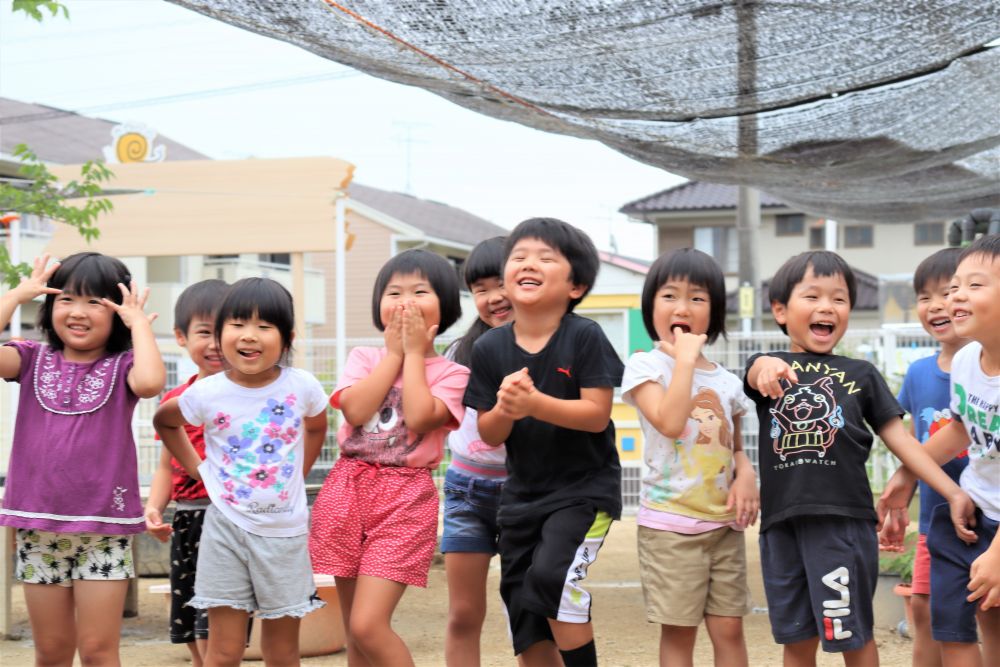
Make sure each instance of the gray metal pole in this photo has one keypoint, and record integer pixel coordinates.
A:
(748, 199)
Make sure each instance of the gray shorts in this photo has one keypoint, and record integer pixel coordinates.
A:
(271, 576)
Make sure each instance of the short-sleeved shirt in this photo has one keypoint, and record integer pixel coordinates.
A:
(385, 439)
(551, 466)
(689, 475)
(73, 466)
(254, 448)
(182, 486)
(974, 399)
(815, 440)
(926, 395)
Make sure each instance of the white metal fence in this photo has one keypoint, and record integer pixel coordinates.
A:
(891, 350)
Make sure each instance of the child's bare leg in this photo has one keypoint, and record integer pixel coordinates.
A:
(279, 641)
(99, 607)
(926, 651)
(677, 645)
(961, 654)
(53, 623)
(540, 654)
(375, 600)
(197, 652)
(989, 633)
(569, 636)
(227, 637)
(801, 654)
(866, 656)
(467, 574)
(728, 645)
(345, 591)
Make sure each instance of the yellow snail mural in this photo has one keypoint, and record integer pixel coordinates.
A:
(133, 143)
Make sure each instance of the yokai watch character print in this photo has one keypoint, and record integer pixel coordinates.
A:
(383, 439)
(806, 419)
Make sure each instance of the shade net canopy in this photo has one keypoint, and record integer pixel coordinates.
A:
(856, 110)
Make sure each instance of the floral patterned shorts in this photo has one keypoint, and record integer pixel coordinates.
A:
(58, 558)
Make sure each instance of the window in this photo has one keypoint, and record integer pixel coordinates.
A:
(817, 236)
(789, 225)
(859, 236)
(928, 233)
(615, 327)
(282, 258)
(721, 243)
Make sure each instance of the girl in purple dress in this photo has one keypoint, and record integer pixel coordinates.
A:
(72, 490)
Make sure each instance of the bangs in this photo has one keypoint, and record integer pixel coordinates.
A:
(91, 274)
(262, 298)
(694, 267)
(936, 268)
(485, 261)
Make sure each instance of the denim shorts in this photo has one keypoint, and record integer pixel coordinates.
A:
(470, 513)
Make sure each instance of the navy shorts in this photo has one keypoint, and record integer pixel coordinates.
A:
(953, 618)
(470, 513)
(819, 578)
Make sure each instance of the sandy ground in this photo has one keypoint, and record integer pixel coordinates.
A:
(623, 637)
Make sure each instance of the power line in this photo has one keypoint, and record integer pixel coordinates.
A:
(178, 97)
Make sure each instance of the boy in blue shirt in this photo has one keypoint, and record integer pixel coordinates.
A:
(925, 396)
(960, 565)
(819, 547)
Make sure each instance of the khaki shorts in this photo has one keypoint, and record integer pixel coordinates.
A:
(685, 577)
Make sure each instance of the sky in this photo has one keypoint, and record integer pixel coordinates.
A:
(232, 94)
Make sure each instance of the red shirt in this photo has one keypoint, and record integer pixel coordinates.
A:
(184, 487)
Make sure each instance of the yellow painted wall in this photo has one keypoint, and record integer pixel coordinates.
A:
(608, 301)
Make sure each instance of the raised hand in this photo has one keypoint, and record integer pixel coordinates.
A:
(394, 332)
(771, 372)
(686, 346)
(418, 338)
(37, 283)
(131, 307)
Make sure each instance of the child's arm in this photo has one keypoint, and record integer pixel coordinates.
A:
(360, 401)
(668, 411)
(984, 577)
(495, 425)
(159, 496)
(914, 457)
(894, 504)
(27, 289)
(422, 411)
(148, 374)
(169, 424)
(314, 433)
(767, 373)
(591, 412)
(743, 494)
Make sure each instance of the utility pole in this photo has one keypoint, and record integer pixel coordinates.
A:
(748, 199)
(407, 139)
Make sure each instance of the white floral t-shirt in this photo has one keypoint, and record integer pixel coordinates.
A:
(254, 448)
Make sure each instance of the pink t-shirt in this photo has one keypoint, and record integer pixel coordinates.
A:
(384, 439)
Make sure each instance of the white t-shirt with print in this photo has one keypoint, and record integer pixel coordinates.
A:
(254, 448)
(974, 398)
(690, 475)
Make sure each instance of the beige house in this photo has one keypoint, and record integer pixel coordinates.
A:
(703, 216)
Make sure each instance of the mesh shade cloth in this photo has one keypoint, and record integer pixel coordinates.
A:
(857, 110)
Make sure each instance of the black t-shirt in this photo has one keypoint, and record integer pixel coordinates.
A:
(549, 466)
(813, 440)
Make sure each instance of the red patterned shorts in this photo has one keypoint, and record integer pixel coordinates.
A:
(377, 521)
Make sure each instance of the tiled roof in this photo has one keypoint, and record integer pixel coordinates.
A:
(64, 137)
(431, 217)
(693, 196)
(867, 294)
(629, 263)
